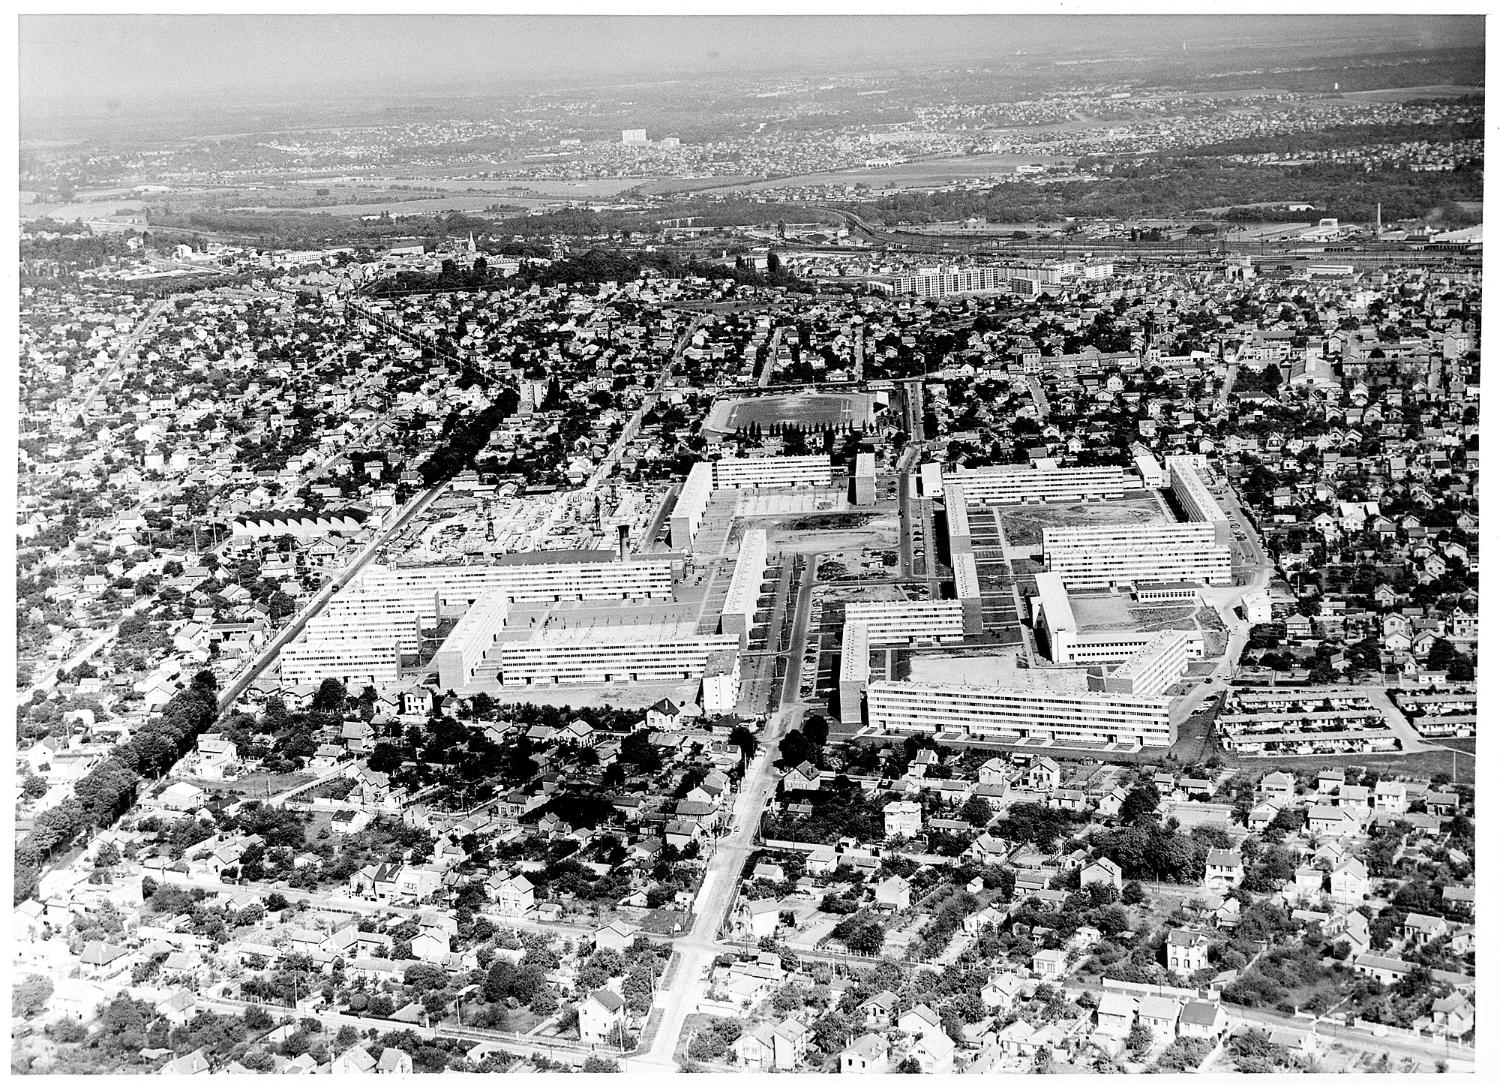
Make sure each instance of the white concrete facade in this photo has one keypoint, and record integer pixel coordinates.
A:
(954, 713)
(736, 473)
(355, 663)
(908, 622)
(1154, 669)
(1013, 484)
(854, 670)
(1123, 554)
(692, 501)
(1196, 499)
(864, 478)
(721, 683)
(738, 615)
(619, 654)
(465, 647)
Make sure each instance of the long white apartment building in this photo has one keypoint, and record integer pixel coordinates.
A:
(1122, 554)
(467, 644)
(365, 628)
(864, 478)
(692, 502)
(966, 589)
(956, 510)
(908, 622)
(953, 280)
(887, 623)
(740, 473)
(423, 588)
(957, 714)
(348, 618)
(356, 663)
(1196, 499)
(738, 614)
(753, 473)
(854, 670)
(1155, 668)
(611, 654)
(1013, 484)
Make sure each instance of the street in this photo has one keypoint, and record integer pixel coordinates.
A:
(700, 945)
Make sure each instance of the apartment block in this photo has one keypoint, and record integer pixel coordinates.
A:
(738, 615)
(475, 635)
(957, 714)
(1013, 484)
(1118, 555)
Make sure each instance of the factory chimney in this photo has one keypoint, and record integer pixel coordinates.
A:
(624, 536)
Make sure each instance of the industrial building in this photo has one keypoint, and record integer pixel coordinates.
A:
(1118, 555)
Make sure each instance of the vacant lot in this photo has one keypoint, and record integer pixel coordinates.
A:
(1023, 525)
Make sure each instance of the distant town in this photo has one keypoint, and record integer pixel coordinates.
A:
(759, 628)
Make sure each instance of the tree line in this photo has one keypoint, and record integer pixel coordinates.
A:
(110, 787)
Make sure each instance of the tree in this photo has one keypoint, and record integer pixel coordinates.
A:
(741, 737)
(330, 697)
(1140, 803)
(30, 994)
(385, 758)
(815, 728)
(1133, 893)
(976, 811)
(1139, 1040)
(795, 748)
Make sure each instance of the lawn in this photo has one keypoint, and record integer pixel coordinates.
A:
(1426, 763)
(256, 784)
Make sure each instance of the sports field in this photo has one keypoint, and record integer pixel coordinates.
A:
(813, 409)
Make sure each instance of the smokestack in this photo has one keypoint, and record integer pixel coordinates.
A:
(1377, 222)
(624, 536)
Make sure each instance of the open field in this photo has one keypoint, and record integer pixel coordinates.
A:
(1407, 94)
(929, 171)
(815, 409)
(1425, 763)
(1023, 524)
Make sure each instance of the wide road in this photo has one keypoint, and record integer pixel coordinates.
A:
(697, 949)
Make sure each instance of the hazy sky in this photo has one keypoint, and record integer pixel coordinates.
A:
(90, 63)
